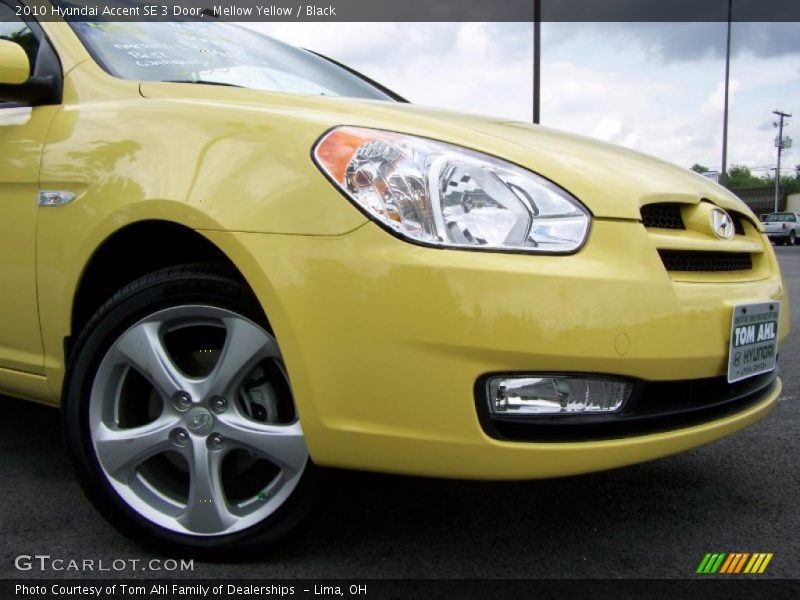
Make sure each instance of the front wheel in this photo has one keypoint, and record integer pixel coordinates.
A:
(792, 238)
(180, 420)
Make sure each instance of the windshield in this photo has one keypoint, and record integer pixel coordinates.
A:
(219, 53)
(779, 217)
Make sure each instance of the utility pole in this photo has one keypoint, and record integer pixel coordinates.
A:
(723, 179)
(779, 144)
(537, 48)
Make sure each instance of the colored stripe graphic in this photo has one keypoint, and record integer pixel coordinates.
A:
(754, 563)
(764, 564)
(711, 562)
(716, 565)
(758, 563)
(703, 563)
(744, 558)
(727, 564)
(734, 563)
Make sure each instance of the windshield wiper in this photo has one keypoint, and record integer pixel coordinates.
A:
(201, 81)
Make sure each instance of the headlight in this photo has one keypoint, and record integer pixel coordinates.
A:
(439, 194)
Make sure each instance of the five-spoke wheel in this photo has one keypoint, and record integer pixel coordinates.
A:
(180, 405)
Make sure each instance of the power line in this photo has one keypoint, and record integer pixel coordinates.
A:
(783, 169)
(703, 124)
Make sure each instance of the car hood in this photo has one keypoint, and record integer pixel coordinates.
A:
(613, 182)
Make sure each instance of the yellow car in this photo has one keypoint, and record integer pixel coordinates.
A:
(232, 262)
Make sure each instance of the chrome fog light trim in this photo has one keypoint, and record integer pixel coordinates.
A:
(532, 394)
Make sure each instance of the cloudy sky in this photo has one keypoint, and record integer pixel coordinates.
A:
(655, 87)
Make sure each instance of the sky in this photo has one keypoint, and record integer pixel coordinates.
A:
(653, 87)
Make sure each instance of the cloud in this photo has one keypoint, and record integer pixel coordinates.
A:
(474, 67)
(623, 83)
(687, 41)
(678, 42)
(715, 102)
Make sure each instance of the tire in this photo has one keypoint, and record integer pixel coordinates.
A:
(179, 419)
(792, 238)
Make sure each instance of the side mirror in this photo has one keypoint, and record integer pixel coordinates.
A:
(16, 83)
(15, 69)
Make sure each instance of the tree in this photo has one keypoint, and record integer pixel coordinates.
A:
(739, 176)
(697, 168)
(739, 171)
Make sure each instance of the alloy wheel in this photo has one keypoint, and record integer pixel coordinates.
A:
(193, 423)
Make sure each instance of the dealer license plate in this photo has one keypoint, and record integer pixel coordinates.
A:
(754, 340)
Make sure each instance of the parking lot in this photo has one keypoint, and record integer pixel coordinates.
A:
(654, 520)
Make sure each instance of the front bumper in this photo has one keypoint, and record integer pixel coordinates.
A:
(654, 406)
(384, 342)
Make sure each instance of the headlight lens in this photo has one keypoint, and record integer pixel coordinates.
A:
(444, 195)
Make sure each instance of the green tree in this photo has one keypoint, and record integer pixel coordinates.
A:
(739, 176)
(697, 168)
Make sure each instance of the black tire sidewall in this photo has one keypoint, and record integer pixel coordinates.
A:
(153, 293)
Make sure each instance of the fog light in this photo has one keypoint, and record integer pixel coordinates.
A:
(530, 395)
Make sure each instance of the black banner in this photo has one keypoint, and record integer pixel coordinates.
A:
(414, 10)
(731, 587)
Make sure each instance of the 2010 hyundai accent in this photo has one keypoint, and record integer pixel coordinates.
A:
(232, 262)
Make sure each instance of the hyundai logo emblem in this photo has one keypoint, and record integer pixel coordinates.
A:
(199, 421)
(721, 224)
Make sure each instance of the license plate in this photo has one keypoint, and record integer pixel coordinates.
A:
(754, 340)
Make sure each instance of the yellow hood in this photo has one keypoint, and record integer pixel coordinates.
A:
(612, 181)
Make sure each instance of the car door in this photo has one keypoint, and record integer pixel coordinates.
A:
(22, 135)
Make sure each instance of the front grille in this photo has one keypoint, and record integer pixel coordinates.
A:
(699, 261)
(662, 216)
(654, 406)
(738, 226)
(668, 216)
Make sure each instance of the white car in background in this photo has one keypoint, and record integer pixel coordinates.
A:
(782, 227)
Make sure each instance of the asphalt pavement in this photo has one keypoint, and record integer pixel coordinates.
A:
(654, 520)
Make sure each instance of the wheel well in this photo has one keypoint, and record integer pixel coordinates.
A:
(132, 252)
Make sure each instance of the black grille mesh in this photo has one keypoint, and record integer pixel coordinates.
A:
(738, 226)
(668, 216)
(697, 261)
(662, 216)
